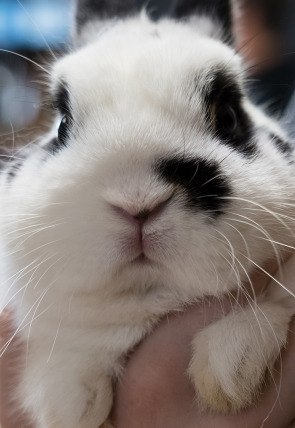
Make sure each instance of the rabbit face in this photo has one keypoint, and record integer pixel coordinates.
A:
(161, 172)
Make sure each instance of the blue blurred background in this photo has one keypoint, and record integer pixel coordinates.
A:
(34, 24)
(30, 30)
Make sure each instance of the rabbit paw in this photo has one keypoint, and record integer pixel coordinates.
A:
(233, 359)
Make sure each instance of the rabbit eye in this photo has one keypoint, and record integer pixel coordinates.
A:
(61, 103)
(228, 119)
(63, 129)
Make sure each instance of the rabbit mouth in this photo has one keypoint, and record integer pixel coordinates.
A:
(144, 248)
(142, 260)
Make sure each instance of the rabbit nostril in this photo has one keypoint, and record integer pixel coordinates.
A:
(129, 214)
(132, 214)
(142, 216)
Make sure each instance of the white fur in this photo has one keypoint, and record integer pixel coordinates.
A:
(81, 303)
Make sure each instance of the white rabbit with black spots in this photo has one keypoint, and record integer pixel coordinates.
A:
(162, 185)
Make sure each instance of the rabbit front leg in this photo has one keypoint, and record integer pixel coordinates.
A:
(89, 409)
(66, 395)
(234, 357)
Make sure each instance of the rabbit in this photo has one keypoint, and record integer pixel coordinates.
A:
(159, 183)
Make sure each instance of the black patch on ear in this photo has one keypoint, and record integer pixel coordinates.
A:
(285, 147)
(90, 10)
(226, 116)
(202, 182)
(219, 10)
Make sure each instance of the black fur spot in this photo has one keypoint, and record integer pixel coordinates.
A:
(14, 168)
(283, 146)
(202, 182)
(89, 10)
(4, 161)
(9, 165)
(226, 116)
(217, 9)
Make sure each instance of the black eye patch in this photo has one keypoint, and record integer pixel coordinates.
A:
(62, 104)
(226, 116)
(202, 182)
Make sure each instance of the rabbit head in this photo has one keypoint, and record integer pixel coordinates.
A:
(160, 172)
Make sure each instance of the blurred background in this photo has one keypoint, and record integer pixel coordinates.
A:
(37, 30)
(31, 32)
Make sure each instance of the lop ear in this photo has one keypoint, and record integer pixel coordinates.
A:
(219, 11)
(91, 14)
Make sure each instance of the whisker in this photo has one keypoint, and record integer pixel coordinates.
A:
(272, 277)
(35, 286)
(5, 346)
(260, 229)
(21, 274)
(265, 209)
(241, 235)
(31, 233)
(54, 341)
(232, 255)
(277, 243)
(254, 309)
(27, 59)
(37, 28)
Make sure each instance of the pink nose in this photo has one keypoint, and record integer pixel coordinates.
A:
(142, 216)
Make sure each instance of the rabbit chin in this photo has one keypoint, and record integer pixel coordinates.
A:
(143, 262)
